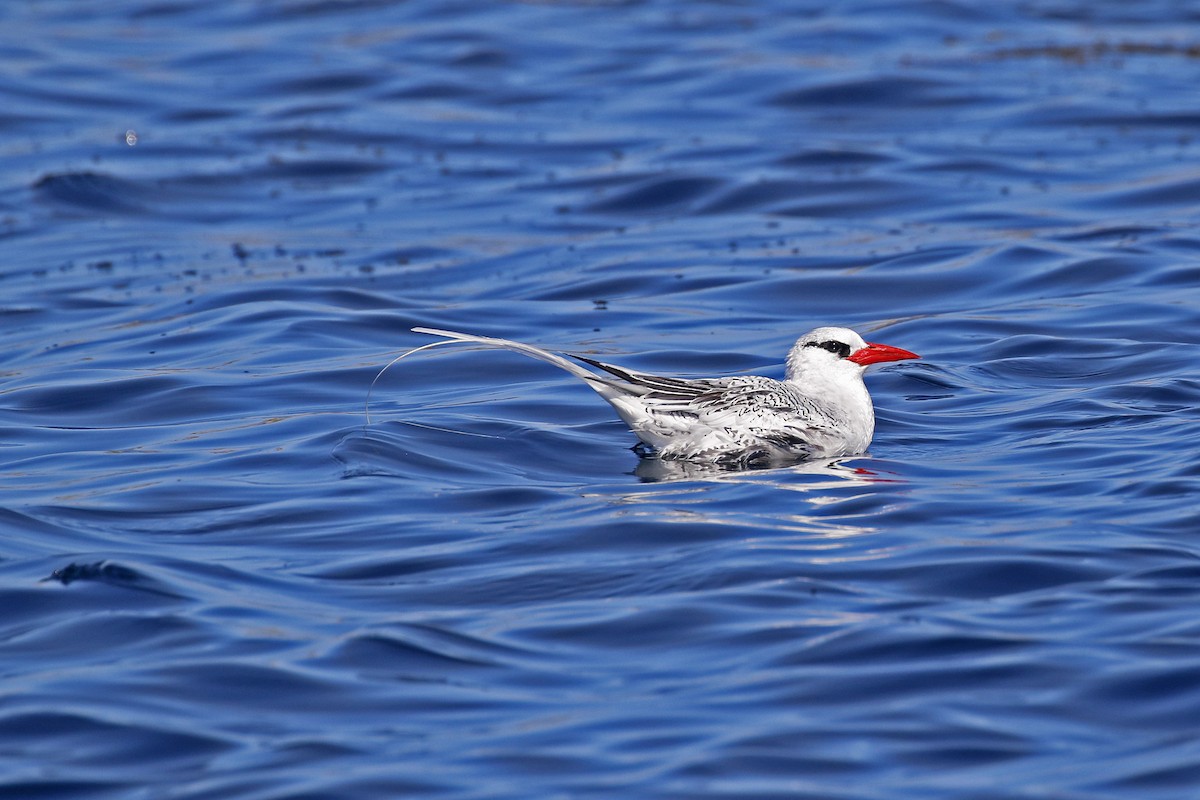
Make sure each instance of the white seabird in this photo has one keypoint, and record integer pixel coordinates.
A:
(820, 409)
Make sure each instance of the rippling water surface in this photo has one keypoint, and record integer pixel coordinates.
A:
(219, 221)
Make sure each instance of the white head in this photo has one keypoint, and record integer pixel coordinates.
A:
(827, 364)
(827, 354)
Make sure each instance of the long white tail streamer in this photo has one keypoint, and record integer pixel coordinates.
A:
(367, 404)
(597, 382)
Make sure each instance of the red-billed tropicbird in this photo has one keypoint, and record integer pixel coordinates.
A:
(820, 409)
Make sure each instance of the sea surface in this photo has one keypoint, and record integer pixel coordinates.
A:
(220, 580)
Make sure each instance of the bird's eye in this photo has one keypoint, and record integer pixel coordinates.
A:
(839, 349)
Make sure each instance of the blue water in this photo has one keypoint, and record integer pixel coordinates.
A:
(220, 220)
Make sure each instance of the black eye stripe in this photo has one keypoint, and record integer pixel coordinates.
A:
(839, 349)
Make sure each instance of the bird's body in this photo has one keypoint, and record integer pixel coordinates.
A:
(820, 409)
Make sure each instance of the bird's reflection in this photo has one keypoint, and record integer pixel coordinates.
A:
(651, 469)
(824, 515)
